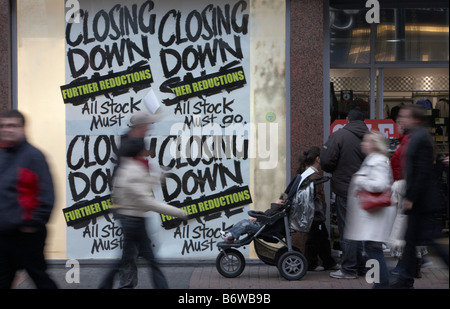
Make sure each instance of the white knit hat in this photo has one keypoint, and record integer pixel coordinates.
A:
(142, 118)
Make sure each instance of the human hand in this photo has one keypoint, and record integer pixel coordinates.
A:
(27, 229)
(445, 161)
(407, 204)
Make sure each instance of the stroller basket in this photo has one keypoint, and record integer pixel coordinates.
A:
(265, 252)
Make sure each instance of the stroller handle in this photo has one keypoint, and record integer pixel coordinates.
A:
(322, 179)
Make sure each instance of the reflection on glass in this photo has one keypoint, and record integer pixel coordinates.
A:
(349, 37)
(413, 35)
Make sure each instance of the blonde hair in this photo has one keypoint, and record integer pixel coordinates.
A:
(379, 142)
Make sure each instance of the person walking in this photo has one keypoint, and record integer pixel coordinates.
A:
(133, 198)
(342, 156)
(372, 227)
(420, 203)
(396, 240)
(317, 244)
(128, 272)
(26, 203)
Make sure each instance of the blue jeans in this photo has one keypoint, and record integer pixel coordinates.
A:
(352, 261)
(374, 250)
(135, 236)
(244, 227)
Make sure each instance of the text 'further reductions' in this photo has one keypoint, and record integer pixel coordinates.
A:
(231, 198)
(86, 210)
(80, 90)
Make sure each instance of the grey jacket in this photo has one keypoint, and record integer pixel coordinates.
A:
(132, 193)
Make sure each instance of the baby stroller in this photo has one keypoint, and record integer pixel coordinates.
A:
(275, 229)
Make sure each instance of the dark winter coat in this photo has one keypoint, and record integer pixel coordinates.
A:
(26, 188)
(421, 182)
(342, 155)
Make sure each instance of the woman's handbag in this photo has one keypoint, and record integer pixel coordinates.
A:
(370, 201)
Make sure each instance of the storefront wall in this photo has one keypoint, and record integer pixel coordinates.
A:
(5, 55)
(43, 66)
(288, 88)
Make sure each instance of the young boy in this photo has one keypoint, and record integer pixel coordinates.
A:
(251, 225)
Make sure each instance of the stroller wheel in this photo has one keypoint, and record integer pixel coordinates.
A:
(230, 263)
(292, 265)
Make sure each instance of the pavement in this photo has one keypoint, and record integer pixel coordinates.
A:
(198, 284)
(203, 275)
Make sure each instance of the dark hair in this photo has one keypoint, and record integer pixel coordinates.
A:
(307, 158)
(14, 114)
(355, 114)
(131, 147)
(417, 111)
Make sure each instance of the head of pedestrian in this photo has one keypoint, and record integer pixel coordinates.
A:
(139, 124)
(12, 128)
(411, 116)
(374, 141)
(355, 114)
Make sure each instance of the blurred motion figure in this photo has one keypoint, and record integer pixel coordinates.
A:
(26, 203)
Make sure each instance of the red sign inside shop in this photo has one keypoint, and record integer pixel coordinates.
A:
(385, 126)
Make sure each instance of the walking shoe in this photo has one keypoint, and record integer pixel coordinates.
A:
(340, 275)
(394, 271)
(319, 268)
(397, 283)
(227, 236)
(335, 267)
(426, 262)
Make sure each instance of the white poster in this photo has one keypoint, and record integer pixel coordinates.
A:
(188, 63)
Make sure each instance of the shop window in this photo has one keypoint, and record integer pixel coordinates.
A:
(349, 37)
(53, 50)
(413, 35)
(349, 88)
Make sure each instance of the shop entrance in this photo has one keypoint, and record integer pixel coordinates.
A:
(378, 67)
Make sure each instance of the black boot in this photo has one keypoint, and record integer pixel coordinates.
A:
(418, 268)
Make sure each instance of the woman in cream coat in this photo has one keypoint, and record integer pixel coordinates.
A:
(133, 199)
(374, 227)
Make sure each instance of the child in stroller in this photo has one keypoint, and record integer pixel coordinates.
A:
(273, 227)
(251, 225)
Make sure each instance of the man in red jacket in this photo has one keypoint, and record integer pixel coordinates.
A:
(26, 202)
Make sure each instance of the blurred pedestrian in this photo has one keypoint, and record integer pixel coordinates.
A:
(342, 157)
(317, 243)
(26, 202)
(128, 273)
(397, 237)
(133, 198)
(421, 204)
(371, 227)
